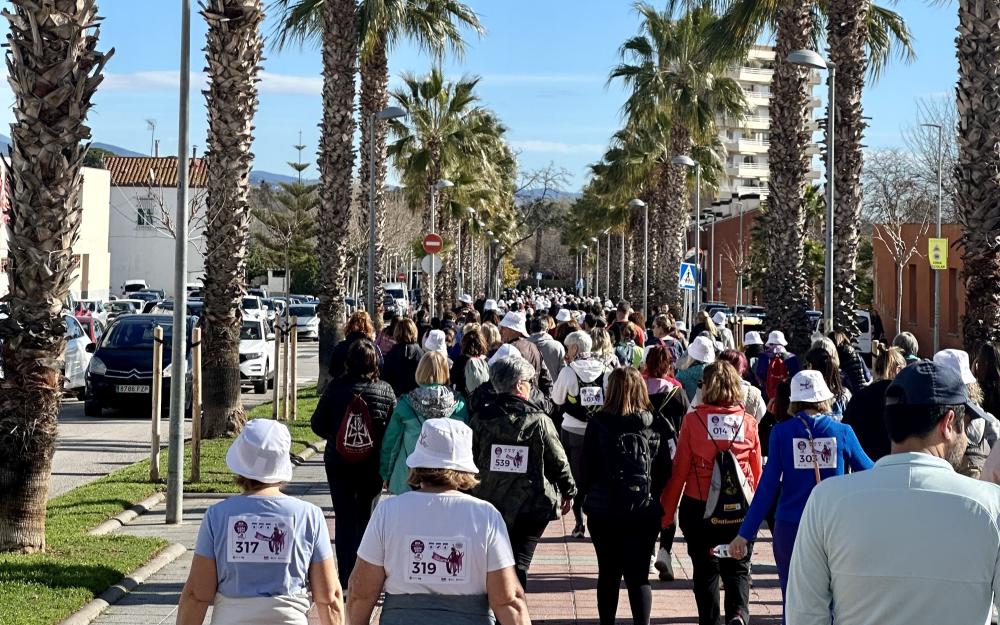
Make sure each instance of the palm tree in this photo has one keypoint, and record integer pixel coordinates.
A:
(975, 174)
(675, 78)
(55, 68)
(234, 47)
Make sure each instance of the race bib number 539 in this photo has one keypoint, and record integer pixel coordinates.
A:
(509, 459)
(252, 538)
(436, 560)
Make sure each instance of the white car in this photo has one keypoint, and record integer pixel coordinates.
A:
(95, 307)
(256, 355)
(76, 357)
(306, 321)
(123, 307)
(253, 308)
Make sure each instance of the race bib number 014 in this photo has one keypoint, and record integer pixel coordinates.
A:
(436, 560)
(253, 538)
(826, 453)
(725, 427)
(509, 459)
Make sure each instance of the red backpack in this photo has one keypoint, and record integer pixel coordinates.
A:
(776, 374)
(354, 437)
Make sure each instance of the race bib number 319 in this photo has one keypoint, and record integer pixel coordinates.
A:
(509, 459)
(436, 560)
(252, 538)
(826, 453)
(725, 427)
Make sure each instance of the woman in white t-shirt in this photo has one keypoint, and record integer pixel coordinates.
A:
(441, 556)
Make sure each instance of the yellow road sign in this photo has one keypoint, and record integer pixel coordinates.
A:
(937, 253)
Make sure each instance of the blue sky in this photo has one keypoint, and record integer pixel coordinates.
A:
(543, 65)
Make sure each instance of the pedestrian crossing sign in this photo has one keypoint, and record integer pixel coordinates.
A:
(686, 277)
(937, 253)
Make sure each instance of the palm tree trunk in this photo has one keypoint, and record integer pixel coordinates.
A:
(374, 98)
(976, 178)
(234, 48)
(674, 182)
(847, 33)
(336, 162)
(785, 289)
(55, 69)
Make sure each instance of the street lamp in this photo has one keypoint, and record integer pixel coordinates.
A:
(637, 203)
(597, 266)
(440, 185)
(686, 161)
(392, 112)
(582, 256)
(809, 58)
(937, 272)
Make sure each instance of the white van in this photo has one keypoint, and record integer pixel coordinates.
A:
(398, 292)
(133, 285)
(863, 319)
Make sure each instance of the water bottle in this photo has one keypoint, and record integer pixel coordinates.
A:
(721, 551)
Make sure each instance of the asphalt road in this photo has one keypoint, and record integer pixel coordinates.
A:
(91, 447)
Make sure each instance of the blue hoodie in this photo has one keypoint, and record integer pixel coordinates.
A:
(789, 465)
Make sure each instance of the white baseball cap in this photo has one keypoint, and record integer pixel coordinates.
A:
(702, 349)
(777, 337)
(465, 298)
(435, 342)
(505, 351)
(563, 315)
(809, 386)
(719, 318)
(514, 321)
(752, 338)
(443, 444)
(261, 452)
(958, 361)
(490, 304)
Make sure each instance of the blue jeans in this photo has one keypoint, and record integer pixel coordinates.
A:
(783, 534)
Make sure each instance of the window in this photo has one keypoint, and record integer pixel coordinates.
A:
(912, 295)
(953, 301)
(144, 211)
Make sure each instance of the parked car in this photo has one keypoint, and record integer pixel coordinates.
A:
(253, 308)
(261, 293)
(123, 307)
(158, 293)
(862, 318)
(275, 307)
(92, 327)
(131, 286)
(256, 350)
(398, 292)
(93, 308)
(120, 374)
(166, 307)
(306, 321)
(144, 296)
(76, 356)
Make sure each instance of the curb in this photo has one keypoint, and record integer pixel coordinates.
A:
(127, 516)
(311, 450)
(113, 594)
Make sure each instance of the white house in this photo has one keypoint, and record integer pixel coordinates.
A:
(143, 207)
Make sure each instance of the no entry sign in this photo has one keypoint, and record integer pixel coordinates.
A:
(433, 243)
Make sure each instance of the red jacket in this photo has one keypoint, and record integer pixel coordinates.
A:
(705, 431)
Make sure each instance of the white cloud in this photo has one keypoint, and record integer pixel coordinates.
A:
(168, 80)
(556, 147)
(512, 79)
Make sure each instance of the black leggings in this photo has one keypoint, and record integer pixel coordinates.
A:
(524, 537)
(573, 445)
(623, 546)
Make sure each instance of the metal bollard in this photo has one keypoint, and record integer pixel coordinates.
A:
(157, 393)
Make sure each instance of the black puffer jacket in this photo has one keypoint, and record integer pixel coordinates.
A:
(853, 369)
(331, 409)
(338, 359)
(400, 367)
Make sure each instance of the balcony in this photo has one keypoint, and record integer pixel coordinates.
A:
(757, 98)
(755, 74)
(762, 191)
(748, 170)
(749, 146)
(757, 122)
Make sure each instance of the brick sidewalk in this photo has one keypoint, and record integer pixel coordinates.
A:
(562, 583)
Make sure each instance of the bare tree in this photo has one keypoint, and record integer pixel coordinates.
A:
(922, 142)
(894, 197)
(541, 208)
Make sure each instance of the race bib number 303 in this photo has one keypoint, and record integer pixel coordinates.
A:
(725, 427)
(253, 538)
(826, 453)
(436, 560)
(509, 459)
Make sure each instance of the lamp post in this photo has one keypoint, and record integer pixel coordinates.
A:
(809, 58)
(583, 271)
(438, 186)
(637, 203)
(392, 112)
(937, 272)
(686, 161)
(471, 212)
(597, 267)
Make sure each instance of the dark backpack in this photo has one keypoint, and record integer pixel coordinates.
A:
(777, 372)
(729, 494)
(575, 403)
(355, 442)
(632, 462)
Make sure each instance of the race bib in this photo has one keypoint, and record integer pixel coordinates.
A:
(436, 560)
(592, 396)
(725, 427)
(253, 538)
(509, 459)
(826, 453)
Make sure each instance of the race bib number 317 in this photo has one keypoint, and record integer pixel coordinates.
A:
(436, 560)
(509, 459)
(826, 453)
(253, 538)
(725, 427)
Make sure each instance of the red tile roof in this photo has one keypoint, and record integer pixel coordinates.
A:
(134, 171)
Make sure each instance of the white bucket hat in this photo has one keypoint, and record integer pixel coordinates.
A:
(702, 349)
(752, 338)
(435, 342)
(506, 351)
(490, 304)
(957, 360)
(681, 326)
(777, 337)
(809, 386)
(514, 321)
(443, 444)
(719, 318)
(563, 315)
(260, 452)
(465, 298)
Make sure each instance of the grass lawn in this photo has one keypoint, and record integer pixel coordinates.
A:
(43, 589)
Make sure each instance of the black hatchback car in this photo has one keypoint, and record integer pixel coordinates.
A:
(120, 374)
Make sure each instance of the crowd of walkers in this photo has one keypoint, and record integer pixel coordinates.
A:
(454, 441)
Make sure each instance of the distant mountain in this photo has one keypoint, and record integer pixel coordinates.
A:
(529, 195)
(114, 149)
(257, 177)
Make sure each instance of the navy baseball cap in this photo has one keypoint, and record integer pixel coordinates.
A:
(927, 383)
